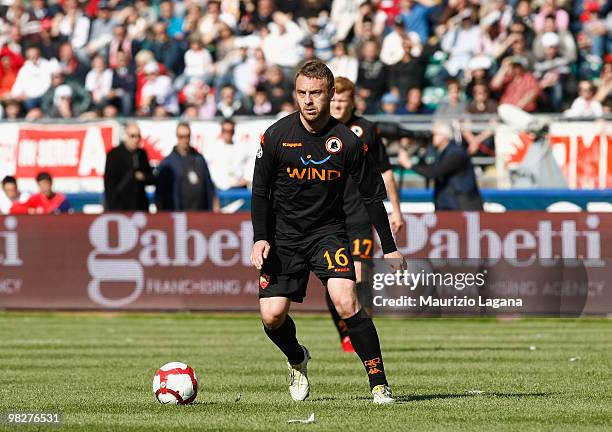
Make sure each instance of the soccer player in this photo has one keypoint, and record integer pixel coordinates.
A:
(299, 225)
(359, 228)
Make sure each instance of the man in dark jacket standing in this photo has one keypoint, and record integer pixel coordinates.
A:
(183, 179)
(455, 186)
(127, 173)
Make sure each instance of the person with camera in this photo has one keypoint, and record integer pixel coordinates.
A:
(455, 186)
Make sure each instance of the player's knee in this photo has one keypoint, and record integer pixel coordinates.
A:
(346, 306)
(272, 318)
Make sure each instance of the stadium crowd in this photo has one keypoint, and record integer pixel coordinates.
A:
(200, 59)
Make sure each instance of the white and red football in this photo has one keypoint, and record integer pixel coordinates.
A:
(175, 383)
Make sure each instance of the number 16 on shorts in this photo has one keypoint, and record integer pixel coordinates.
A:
(337, 261)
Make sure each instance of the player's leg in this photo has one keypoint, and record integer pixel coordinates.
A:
(283, 279)
(280, 328)
(361, 243)
(361, 328)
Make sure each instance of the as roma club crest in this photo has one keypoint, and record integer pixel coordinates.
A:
(333, 145)
(264, 281)
(357, 130)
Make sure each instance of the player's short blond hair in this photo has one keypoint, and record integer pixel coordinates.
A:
(343, 84)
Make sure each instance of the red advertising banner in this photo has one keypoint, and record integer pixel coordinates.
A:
(201, 261)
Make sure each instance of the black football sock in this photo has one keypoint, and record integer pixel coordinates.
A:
(367, 346)
(284, 338)
(338, 322)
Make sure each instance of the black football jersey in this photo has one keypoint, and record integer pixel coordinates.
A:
(305, 175)
(365, 130)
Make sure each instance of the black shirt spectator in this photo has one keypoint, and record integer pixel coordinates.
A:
(372, 76)
(183, 179)
(409, 72)
(126, 174)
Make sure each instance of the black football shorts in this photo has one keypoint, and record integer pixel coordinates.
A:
(361, 240)
(286, 271)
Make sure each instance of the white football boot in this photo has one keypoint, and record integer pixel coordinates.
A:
(382, 394)
(298, 378)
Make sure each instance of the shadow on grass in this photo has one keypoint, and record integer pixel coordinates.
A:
(427, 397)
(461, 348)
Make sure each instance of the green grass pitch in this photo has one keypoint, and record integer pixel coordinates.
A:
(97, 370)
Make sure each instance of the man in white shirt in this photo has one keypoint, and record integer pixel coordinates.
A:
(10, 196)
(227, 161)
(33, 79)
(585, 105)
(157, 91)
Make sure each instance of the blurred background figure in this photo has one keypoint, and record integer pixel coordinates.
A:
(183, 179)
(126, 174)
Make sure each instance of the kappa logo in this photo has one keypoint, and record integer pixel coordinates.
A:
(259, 153)
(333, 145)
(357, 130)
(365, 149)
(264, 281)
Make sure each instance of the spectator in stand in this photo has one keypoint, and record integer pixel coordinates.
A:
(518, 47)
(264, 11)
(343, 64)
(12, 109)
(414, 103)
(172, 20)
(72, 99)
(565, 44)
(261, 102)
(585, 105)
(198, 63)
(72, 25)
(199, 97)
(518, 86)
(126, 174)
(99, 82)
(47, 201)
(123, 84)
(415, 18)
(389, 104)
(10, 64)
(392, 50)
(157, 91)
(11, 200)
(321, 31)
(480, 143)
(277, 87)
(553, 73)
(33, 79)
(229, 104)
(604, 92)
(122, 42)
(409, 72)
(372, 78)
(281, 44)
(454, 106)
(101, 32)
(550, 8)
(183, 179)
(168, 52)
(461, 42)
(227, 160)
(72, 68)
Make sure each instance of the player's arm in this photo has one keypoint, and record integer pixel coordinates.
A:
(372, 190)
(263, 176)
(382, 159)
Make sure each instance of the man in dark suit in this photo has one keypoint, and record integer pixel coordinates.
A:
(126, 174)
(455, 186)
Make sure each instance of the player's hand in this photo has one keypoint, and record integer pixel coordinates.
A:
(259, 253)
(397, 222)
(398, 262)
